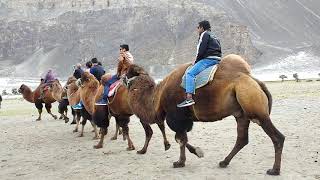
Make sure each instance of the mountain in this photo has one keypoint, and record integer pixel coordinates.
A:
(43, 34)
(37, 35)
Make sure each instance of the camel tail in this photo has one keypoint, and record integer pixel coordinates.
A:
(266, 91)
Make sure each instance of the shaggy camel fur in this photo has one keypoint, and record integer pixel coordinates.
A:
(232, 92)
(33, 97)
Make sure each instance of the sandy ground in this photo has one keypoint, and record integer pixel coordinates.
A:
(50, 150)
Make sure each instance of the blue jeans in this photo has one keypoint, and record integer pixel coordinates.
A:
(195, 70)
(113, 79)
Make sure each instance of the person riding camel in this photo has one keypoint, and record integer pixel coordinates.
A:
(208, 54)
(47, 80)
(78, 71)
(96, 69)
(125, 60)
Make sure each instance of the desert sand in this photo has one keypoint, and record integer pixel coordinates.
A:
(48, 149)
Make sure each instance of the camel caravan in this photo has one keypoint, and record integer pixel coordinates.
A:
(207, 90)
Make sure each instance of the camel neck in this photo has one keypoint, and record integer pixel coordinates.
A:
(28, 95)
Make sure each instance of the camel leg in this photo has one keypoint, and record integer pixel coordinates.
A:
(96, 134)
(84, 122)
(125, 129)
(123, 123)
(165, 140)
(78, 117)
(195, 150)
(149, 133)
(39, 118)
(242, 140)
(115, 136)
(66, 119)
(48, 108)
(182, 139)
(278, 141)
(103, 132)
(39, 106)
(74, 114)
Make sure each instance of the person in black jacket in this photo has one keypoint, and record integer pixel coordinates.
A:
(96, 69)
(208, 54)
(78, 71)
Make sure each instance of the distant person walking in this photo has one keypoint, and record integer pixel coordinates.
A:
(0, 100)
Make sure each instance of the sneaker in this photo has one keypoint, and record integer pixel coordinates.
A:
(77, 106)
(102, 102)
(185, 103)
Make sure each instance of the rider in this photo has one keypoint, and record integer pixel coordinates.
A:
(96, 69)
(125, 60)
(78, 71)
(47, 80)
(208, 54)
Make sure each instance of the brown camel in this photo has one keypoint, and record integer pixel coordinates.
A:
(232, 92)
(120, 109)
(33, 97)
(58, 92)
(73, 94)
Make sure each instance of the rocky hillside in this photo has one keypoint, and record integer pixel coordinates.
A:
(39, 34)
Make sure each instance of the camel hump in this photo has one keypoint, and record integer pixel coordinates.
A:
(235, 63)
(252, 99)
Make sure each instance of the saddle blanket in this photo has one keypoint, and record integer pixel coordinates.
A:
(202, 78)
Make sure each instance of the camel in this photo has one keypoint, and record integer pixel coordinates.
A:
(73, 94)
(232, 92)
(58, 92)
(120, 109)
(33, 97)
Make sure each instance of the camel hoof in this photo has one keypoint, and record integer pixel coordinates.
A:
(98, 146)
(178, 164)
(73, 122)
(223, 164)
(60, 117)
(142, 151)
(38, 119)
(114, 138)
(273, 172)
(199, 152)
(76, 130)
(66, 120)
(130, 148)
(55, 117)
(167, 146)
(81, 135)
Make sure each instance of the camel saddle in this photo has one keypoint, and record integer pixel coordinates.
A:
(113, 88)
(202, 78)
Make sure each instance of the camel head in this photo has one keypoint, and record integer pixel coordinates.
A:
(133, 72)
(23, 88)
(88, 80)
(70, 80)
